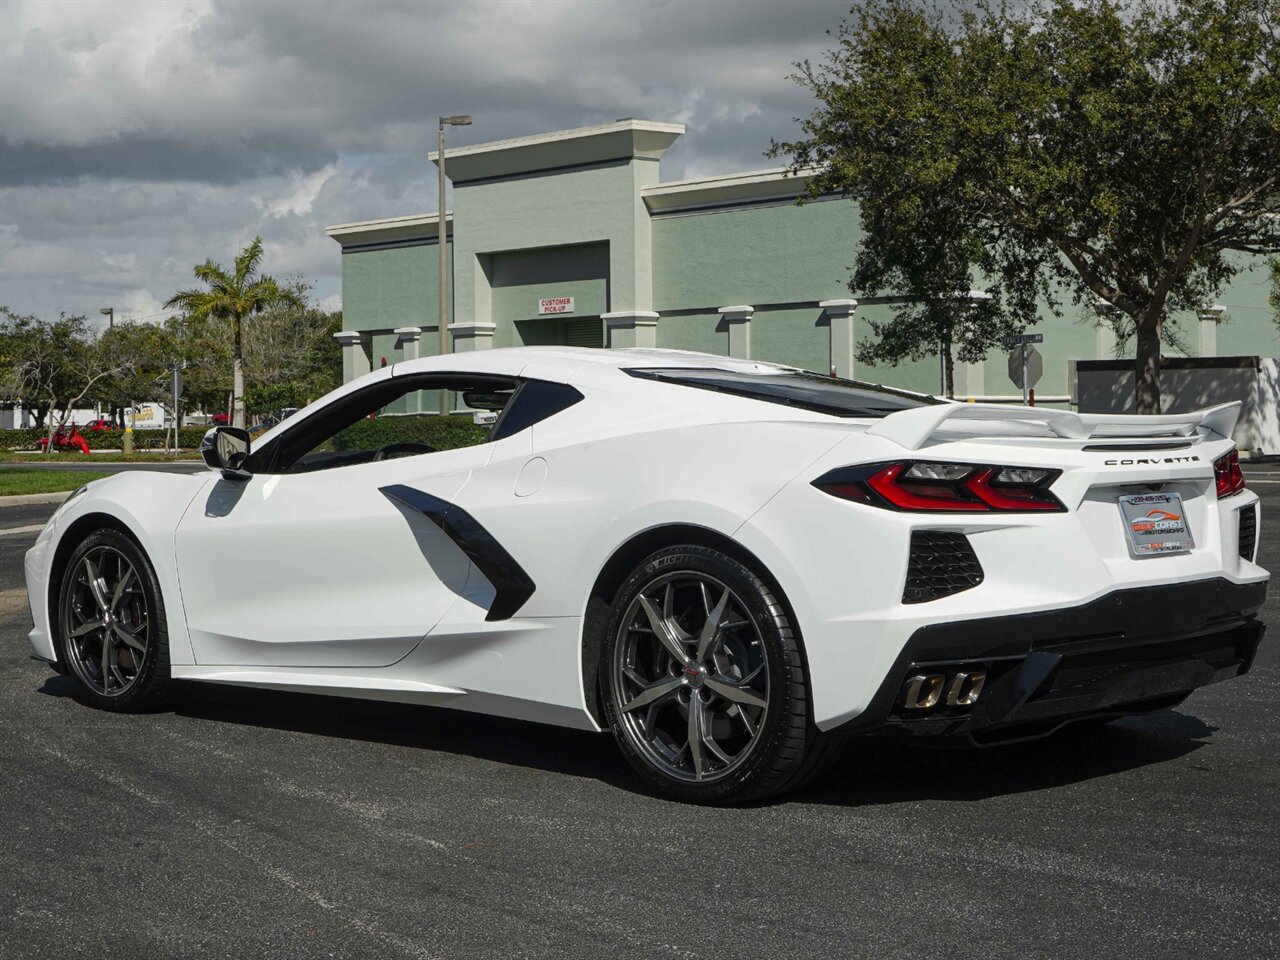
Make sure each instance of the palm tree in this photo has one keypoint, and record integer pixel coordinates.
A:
(235, 296)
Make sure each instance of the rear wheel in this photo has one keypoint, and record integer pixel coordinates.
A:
(111, 624)
(702, 680)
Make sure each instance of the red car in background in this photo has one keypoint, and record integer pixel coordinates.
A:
(102, 424)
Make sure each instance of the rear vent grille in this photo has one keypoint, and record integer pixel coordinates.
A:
(1248, 531)
(941, 564)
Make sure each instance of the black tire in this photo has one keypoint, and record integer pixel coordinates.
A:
(137, 609)
(784, 751)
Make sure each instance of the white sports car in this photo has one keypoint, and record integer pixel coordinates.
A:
(731, 565)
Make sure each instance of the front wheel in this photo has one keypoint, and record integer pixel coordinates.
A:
(111, 624)
(702, 680)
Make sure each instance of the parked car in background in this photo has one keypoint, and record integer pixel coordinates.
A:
(100, 424)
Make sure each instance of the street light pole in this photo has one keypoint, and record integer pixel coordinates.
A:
(110, 314)
(458, 120)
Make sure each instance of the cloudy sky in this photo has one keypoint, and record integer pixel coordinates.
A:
(138, 138)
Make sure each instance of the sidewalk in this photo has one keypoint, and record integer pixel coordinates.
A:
(25, 498)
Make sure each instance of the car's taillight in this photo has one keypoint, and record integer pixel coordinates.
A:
(1227, 474)
(926, 487)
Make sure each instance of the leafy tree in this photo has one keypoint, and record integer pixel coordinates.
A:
(50, 367)
(962, 325)
(293, 357)
(142, 354)
(204, 347)
(19, 345)
(234, 297)
(290, 355)
(269, 399)
(1119, 150)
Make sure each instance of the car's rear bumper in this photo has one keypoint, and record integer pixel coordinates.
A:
(1126, 652)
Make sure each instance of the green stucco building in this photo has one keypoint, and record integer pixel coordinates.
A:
(574, 238)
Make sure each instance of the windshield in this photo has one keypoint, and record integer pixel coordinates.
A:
(795, 388)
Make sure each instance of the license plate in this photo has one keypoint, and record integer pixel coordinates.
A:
(1155, 524)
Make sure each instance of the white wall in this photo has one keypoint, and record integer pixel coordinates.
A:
(1191, 384)
(13, 418)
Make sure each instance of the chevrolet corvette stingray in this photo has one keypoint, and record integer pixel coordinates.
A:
(733, 566)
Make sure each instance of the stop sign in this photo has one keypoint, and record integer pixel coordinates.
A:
(1035, 365)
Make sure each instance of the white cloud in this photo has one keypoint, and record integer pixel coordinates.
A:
(302, 196)
(138, 138)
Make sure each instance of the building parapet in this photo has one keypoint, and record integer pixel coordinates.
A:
(419, 228)
(754, 186)
(562, 149)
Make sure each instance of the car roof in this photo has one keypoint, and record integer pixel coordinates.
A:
(579, 365)
(513, 360)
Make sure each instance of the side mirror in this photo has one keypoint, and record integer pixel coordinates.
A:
(227, 449)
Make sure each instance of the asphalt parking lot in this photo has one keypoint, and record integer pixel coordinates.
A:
(261, 825)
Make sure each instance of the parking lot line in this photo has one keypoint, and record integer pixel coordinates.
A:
(31, 528)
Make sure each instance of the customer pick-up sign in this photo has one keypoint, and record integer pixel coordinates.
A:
(555, 305)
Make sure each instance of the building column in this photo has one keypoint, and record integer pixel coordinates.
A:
(472, 336)
(630, 328)
(1105, 331)
(1209, 318)
(971, 380)
(739, 321)
(409, 340)
(840, 318)
(355, 358)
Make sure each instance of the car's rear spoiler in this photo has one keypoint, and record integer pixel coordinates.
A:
(912, 428)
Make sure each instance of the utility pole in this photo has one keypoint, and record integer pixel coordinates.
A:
(175, 386)
(110, 314)
(458, 120)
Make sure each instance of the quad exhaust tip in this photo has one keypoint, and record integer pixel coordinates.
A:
(924, 691)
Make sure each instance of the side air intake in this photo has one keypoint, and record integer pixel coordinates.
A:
(941, 563)
(1248, 532)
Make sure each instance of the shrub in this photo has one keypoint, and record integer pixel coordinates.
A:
(29, 439)
(440, 433)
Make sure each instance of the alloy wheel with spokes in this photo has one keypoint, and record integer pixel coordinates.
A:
(703, 682)
(110, 625)
(105, 619)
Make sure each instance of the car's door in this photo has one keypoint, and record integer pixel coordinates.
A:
(321, 568)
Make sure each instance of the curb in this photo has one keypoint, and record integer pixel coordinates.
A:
(24, 498)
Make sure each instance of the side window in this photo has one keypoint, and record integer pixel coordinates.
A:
(406, 425)
(534, 401)
(400, 418)
(394, 418)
